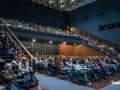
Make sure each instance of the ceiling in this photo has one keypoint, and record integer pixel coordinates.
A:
(63, 5)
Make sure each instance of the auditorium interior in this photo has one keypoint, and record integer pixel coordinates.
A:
(59, 44)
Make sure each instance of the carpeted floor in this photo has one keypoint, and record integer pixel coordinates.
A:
(53, 83)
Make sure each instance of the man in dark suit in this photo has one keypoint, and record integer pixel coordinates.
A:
(8, 75)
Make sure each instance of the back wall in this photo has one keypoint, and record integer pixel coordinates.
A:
(87, 19)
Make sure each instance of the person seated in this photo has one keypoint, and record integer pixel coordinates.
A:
(0, 45)
(69, 62)
(15, 66)
(2, 63)
(1, 68)
(19, 56)
(98, 71)
(99, 63)
(43, 64)
(36, 62)
(62, 66)
(24, 69)
(81, 73)
(113, 66)
(21, 67)
(104, 67)
(8, 75)
(3, 35)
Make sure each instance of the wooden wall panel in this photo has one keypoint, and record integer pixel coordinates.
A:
(79, 50)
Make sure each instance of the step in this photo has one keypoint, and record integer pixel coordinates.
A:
(4, 54)
(3, 43)
(3, 47)
(2, 40)
(8, 60)
(3, 51)
(6, 57)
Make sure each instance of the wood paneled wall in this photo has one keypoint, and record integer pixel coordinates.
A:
(79, 50)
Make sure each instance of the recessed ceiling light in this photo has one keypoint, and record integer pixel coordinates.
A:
(51, 42)
(64, 43)
(34, 40)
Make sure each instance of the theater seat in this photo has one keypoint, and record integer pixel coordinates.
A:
(14, 87)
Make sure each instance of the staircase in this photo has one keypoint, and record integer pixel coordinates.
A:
(4, 52)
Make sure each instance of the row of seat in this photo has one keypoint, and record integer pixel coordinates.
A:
(92, 42)
(8, 52)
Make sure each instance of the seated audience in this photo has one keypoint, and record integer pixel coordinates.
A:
(8, 75)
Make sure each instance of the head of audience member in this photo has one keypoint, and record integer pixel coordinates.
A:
(8, 67)
(19, 56)
(24, 60)
(75, 61)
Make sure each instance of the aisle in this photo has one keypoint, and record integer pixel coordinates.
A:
(52, 83)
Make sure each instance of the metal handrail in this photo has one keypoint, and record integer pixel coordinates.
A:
(19, 42)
